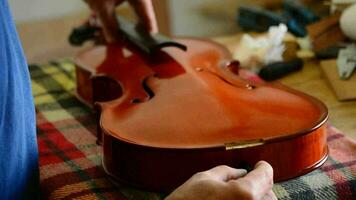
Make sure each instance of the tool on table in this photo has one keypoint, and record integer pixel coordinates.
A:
(344, 90)
(299, 12)
(346, 61)
(258, 19)
(329, 53)
(277, 70)
(294, 14)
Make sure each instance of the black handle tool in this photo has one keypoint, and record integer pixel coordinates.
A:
(279, 69)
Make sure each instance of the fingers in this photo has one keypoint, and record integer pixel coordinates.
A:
(105, 10)
(145, 12)
(224, 182)
(225, 173)
(257, 183)
(262, 172)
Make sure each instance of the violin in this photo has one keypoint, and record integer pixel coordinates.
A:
(184, 107)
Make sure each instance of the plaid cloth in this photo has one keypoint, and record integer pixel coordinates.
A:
(70, 159)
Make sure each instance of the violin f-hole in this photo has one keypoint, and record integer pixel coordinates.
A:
(147, 89)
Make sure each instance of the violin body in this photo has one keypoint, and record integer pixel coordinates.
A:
(167, 115)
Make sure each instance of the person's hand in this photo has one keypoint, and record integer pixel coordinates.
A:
(226, 183)
(145, 12)
(105, 11)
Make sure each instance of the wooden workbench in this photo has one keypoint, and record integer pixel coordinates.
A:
(310, 80)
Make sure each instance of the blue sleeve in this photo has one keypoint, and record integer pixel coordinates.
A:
(18, 147)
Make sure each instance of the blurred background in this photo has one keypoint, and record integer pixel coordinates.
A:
(213, 16)
(44, 25)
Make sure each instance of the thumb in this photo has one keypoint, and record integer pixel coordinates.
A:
(226, 173)
(259, 180)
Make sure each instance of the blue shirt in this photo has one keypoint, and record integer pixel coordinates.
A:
(18, 148)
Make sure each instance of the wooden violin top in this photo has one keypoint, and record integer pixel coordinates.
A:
(178, 99)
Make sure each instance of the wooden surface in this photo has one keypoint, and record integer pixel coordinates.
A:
(343, 89)
(311, 81)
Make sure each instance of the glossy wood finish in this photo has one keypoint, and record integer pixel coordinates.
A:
(160, 169)
(311, 80)
(188, 107)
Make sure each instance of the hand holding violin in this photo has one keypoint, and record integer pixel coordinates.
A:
(105, 11)
(227, 183)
